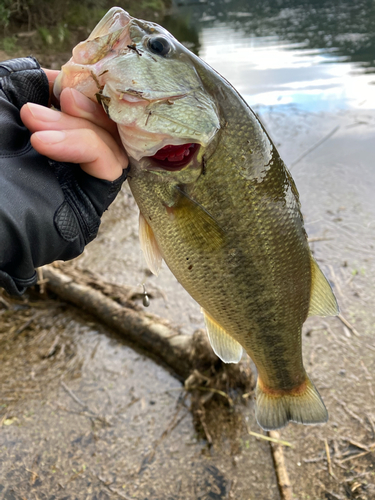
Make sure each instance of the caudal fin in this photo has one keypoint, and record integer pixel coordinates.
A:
(304, 406)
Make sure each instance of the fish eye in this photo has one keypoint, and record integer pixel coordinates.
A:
(159, 45)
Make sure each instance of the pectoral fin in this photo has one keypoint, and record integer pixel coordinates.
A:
(322, 300)
(223, 345)
(197, 226)
(149, 246)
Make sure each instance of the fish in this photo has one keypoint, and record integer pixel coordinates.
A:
(216, 201)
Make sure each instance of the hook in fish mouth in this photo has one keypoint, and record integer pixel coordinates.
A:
(175, 157)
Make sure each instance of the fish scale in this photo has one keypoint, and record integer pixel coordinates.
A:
(226, 220)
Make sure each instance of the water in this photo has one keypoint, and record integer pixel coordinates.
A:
(315, 55)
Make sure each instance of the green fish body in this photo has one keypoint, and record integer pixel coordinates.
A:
(216, 202)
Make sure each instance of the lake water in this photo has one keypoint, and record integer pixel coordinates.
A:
(315, 55)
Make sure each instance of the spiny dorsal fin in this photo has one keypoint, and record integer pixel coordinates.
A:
(223, 345)
(149, 246)
(322, 300)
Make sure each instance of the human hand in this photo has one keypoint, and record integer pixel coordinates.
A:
(50, 207)
(80, 133)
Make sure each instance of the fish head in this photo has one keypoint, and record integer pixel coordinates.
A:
(149, 85)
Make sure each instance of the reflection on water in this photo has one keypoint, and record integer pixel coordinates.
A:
(314, 54)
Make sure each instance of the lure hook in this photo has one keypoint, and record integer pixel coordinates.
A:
(146, 298)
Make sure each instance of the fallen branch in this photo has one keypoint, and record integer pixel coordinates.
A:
(147, 331)
(353, 457)
(271, 439)
(285, 487)
(185, 355)
(348, 325)
(329, 463)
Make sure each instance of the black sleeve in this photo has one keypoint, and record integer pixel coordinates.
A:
(48, 210)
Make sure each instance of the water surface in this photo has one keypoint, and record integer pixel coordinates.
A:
(316, 55)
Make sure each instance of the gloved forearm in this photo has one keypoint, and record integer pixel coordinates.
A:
(48, 210)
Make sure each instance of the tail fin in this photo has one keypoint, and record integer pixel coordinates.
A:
(274, 410)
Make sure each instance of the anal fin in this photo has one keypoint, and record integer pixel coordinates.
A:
(223, 345)
(149, 246)
(322, 300)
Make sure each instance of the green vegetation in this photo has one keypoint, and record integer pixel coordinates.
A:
(8, 43)
(58, 24)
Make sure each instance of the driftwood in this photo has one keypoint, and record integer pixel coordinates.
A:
(190, 357)
(154, 335)
(285, 487)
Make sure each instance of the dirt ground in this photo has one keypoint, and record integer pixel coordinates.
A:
(83, 415)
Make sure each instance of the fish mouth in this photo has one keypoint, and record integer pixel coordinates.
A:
(175, 158)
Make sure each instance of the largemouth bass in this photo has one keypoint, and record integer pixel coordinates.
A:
(216, 203)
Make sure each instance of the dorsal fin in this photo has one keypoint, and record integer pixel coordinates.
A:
(223, 345)
(149, 246)
(322, 300)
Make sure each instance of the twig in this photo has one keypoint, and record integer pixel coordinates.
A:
(313, 460)
(348, 325)
(27, 323)
(52, 349)
(248, 394)
(4, 302)
(313, 147)
(353, 478)
(313, 239)
(350, 412)
(371, 423)
(359, 445)
(271, 439)
(41, 281)
(285, 487)
(336, 282)
(353, 457)
(112, 489)
(333, 495)
(339, 464)
(337, 340)
(33, 476)
(3, 419)
(204, 425)
(211, 389)
(329, 463)
(73, 396)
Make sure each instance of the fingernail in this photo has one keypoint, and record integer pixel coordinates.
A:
(50, 136)
(83, 102)
(43, 113)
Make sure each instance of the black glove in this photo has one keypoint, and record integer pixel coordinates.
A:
(48, 210)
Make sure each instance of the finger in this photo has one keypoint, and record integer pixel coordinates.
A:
(74, 103)
(81, 146)
(51, 75)
(37, 118)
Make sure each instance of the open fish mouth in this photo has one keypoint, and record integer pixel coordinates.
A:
(175, 157)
